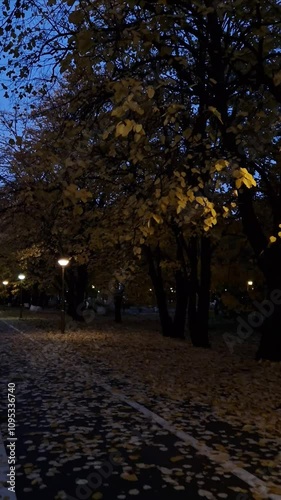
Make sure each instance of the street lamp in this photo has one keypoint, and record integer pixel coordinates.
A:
(249, 283)
(63, 263)
(21, 277)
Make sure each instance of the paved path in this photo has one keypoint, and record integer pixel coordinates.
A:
(80, 436)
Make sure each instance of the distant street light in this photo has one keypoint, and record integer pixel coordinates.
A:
(21, 277)
(249, 283)
(63, 263)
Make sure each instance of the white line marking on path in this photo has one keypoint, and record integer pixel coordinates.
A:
(11, 326)
(257, 485)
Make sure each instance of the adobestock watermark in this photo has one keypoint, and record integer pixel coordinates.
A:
(254, 320)
(95, 479)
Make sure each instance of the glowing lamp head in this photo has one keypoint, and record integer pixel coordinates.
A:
(21, 277)
(5, 282)
(63, 262)
(250, 283)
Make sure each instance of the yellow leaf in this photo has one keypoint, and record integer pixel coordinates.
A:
(124, 129)
(137, 137)
(119, 129)
(97, 496)
(238, 183)
(150, 92)
(177, 458)
(247, 182)
(220, 165)
(129, 477)
(210, 221)
(119, 111)
(190, 195)
(267, 463)
(187, 133)
(157, 218)
(275, 489)
(277, 78)
(215, 112)
(200, 200)
(242, 176)
(138, 127)
(177, 139)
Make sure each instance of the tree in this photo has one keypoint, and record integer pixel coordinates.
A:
(170, 95)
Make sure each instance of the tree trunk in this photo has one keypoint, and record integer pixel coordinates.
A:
(270, 309)
(182, 285)
(182, 291)
(202, 336)
(117, 308)
(155, 274)
(76, 278)
(199, 295)
(268, 257)
(192, 302)
(270, 344)
(35, 295)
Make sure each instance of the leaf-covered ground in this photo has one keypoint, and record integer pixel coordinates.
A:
(234, 385)
(227, 401)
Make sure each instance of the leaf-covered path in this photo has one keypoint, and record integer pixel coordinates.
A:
(88, 429)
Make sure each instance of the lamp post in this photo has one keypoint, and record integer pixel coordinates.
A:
(21, 278)
(63, 263)
(5, 283)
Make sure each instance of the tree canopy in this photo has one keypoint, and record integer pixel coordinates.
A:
(151, 124)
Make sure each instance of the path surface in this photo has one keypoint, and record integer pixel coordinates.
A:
(81, 436)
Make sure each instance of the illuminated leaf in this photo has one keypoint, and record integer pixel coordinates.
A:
(215, 112)
(150, 92)
(129, 477)
(272, 239)
(177, 458)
